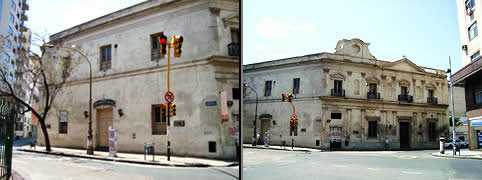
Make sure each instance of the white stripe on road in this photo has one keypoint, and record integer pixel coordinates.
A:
(373, 169)
(409, 172)
(339, 166)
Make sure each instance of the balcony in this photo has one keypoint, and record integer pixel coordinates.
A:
(234, 49)
(406, 98)
(25, 5)
(373, 95)
(432, 100)
(22, 38)
(105, 65)
(23, 17)
(338, 92)
(23, 28)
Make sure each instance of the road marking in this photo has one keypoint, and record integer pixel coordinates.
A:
(407, 157)
(339, 165)
(374, 169)
(409, 172)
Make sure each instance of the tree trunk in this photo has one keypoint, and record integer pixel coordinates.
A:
(46, 134)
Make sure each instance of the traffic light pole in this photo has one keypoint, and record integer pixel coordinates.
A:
(292, 133)
(168, 104)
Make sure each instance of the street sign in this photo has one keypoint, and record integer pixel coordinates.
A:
(169, 97)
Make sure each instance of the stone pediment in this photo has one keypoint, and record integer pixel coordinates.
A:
(355, 48)
(404, 65)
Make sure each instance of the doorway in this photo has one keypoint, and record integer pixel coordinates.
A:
(265, 124)
(404, 135)
(104, 120)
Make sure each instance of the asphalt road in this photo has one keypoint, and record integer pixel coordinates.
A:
(275, 164)
(43, 166)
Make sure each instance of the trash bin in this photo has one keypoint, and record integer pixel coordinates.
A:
(149, 149)
(442, 145)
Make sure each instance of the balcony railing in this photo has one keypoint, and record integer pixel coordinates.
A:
(25, 5)
(23, 28)
(105, 65)
(406, 98)
(432, 100)
(24, 17)
(234, 49)
(373, 95)
(338, 92)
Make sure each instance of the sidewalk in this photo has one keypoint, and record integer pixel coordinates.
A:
(286, 148)
(134, 158)
(464, 154)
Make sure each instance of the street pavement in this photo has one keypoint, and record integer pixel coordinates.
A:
(274, 164)
(46, 166)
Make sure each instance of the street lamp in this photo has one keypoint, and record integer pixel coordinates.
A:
(452, 97)
(255, 113)
(90, 148)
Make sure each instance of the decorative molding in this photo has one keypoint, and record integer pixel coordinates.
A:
(337, 75)
(404, 82)
(349, 73)
(214, 11)
(326, 70)
(373, 79)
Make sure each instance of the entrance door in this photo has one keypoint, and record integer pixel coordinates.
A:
(104, 120)
(404, 135)
(265, 123)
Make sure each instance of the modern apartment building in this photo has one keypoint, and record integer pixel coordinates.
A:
(470, 76)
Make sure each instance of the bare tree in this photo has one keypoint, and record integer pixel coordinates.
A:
(43, 72)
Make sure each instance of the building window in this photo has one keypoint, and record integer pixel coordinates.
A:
(14, 7)
(106, 57)
(404, 90)
(267, 88)
(296, 86)
(66, 68)
(236, 93)
(6, 57)
(10, 31)
(372, 88)
(155, 47)
(159, 122)
(338, 85)
(12, 18)
(478, 96)
(335, 115)
(234, 48)
(431, 131)
(469, 4)
(473, 31)
(475, 56)
(9, 44)
(430, 93)
(372, 128)
(63, 122)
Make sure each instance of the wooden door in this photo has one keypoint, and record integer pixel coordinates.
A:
(265, 123)
(104, 120)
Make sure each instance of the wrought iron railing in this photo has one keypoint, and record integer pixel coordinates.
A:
(234, 49)
(405, 97)
(338, 92)
(432, 100)
(7, 116)
(373, 95)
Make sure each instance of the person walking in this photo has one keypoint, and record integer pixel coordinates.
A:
(387, 146)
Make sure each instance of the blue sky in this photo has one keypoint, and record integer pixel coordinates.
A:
(47, 17)
(426, 32)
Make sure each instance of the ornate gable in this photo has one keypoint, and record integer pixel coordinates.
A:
(404, 65)
(337, 75)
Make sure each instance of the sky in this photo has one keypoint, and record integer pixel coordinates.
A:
(426, 32)
(47, 17)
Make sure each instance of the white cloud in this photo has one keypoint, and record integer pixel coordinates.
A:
(283, 27)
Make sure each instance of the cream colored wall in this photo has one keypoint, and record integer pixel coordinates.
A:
(465, 21)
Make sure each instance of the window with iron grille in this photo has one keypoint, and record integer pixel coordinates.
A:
(296, 86)
(159, 122)
(431, 131)
(106, 57)
(372, 128)
(267, 88)
(155, 47)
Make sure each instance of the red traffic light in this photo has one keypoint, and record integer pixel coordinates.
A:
(164, 106)
(163, 40)
(283, 97)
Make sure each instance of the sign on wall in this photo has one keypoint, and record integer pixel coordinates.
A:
(223, 102)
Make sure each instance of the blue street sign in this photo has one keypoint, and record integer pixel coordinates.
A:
(210, 103)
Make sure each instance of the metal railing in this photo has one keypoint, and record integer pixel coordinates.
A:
(432, 100)
(373, 95)
(7, 118)
(234, 49)
(405, 97)
(338, 92)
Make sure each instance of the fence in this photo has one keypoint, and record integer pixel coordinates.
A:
(7, 118)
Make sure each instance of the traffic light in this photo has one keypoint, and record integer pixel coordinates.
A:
(163, 110)
(290, 97)
(295, 123)
(283, 97)
(163, 43)
(172, 110)
(177, 43)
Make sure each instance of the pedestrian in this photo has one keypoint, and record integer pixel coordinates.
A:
(387, 147)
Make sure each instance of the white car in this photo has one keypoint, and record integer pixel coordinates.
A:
(462, 144)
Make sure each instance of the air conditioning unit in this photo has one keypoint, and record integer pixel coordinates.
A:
(470, 11)
(464, 47)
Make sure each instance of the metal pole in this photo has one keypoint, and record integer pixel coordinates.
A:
(168, 104)
(255, 115)
(453, 117)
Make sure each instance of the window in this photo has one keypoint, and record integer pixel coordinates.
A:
(106, 57)
(478, 96)
(430, 93)
(14, 7)
(66, 68)
(372, 88)
(267, 88)
(9, 44)
(63, 122)
(404, 90)
(212, 146)
(473, 31)
(296, 86)
(12, 18)
(236, 93)
(469, 4)
(6, 57)
(159, 122)
(335, 115)
(338, 85)
(155, 47)
(10, 31)
(372, 128)
(431, 131)
(475, 56)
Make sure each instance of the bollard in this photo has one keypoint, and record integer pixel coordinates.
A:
(442, 145)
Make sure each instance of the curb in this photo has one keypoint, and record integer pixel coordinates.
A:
(287, 149)
(128, 161)
(457, 157)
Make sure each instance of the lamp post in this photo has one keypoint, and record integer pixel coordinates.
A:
(255, 113)
(452, 97)
(90, 148)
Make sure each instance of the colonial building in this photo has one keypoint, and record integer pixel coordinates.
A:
(470, 76)
(347, 100)
(130, 79)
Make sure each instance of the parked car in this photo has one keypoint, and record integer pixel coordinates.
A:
(462, 144)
